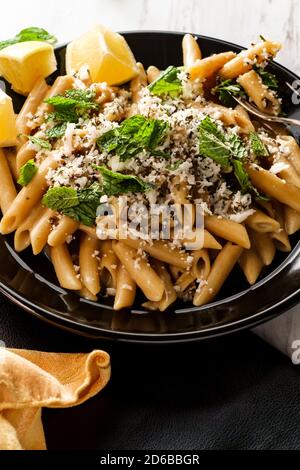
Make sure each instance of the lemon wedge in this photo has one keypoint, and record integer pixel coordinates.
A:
(105, 53)
(23, 63)
(8, 128)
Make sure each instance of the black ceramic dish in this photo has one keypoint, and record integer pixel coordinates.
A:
(30, 282)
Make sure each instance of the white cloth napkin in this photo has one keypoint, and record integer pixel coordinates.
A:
(283, 333)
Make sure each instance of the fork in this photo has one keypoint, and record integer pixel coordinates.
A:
(267, 117)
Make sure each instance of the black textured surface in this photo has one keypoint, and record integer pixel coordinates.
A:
(234, 392)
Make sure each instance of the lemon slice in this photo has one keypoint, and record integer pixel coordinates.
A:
(8, 128)
(23, 63)
(105, 53)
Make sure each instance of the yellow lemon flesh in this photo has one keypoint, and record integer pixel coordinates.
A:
(23, 63)
(105, 53)
(8, 129)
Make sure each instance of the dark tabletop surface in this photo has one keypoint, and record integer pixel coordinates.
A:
(235, 392)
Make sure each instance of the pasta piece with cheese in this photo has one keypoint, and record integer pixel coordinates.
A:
(140, 270)
(125, 290)
(244, 61)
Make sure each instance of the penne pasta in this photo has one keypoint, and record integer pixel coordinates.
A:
(191, 50)
(39, 233)
(242, 63)
(264, 246)
(221, 268)
(125, 290)
(264, 98)
(8, 191)
(25, 153)
(251, 265)
(203, 68)
(201, 264)
(290, 150)
(262, 223)
(227, 229)
(62, 231)
(108, 265)
(22, 234)
(152, 73)
(274, 187)
(169, 295)
(162, 251)
(89, 264)
(138, 83)
(29, 108)
(27, 198)
(64, 268)
(291, 220)
(140, 271)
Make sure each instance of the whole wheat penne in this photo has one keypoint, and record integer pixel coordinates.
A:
(261, 222)
(89, 264)
(251, 265)
(274, 187)
(291, 220)
(40, 231)
(8, 191)
(27, 198)
(242, 63)
(227, 229)
(162, 251)
(221, 268)
(169, 295)
(62, 231)
(152, 73)
(264, 246)
(190, 49)
(64, 268)
(125, 290)
(140, 271)
(30, 106)
(203, 68)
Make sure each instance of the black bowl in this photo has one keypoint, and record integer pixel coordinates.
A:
(29, 280)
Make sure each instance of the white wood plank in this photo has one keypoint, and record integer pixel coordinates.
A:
(239, 21)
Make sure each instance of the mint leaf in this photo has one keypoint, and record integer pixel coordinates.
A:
(257, 146)
(89, 200)
(114, 183)
(226, 89)
(35, 34)
(241, 176)
(269, 79)
(81, 95)
(132, 136)
(167, 83)
(57, 132)
(213, 143)
(27, 172)
(80, 205)
(30, 34)
(72, 105)
(219, 146)
(237, 147)
(44, 144)
(60, 198)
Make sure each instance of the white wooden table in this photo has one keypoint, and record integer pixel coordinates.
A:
(239, 21)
